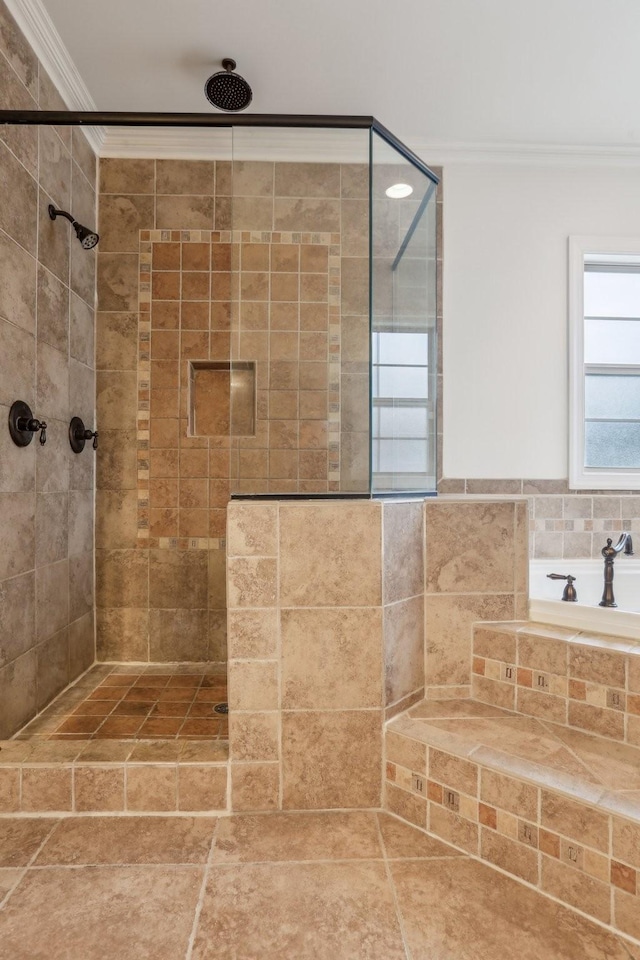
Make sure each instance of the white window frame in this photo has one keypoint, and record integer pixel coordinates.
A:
(581, 477)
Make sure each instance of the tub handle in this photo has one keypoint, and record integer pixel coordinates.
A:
(569, 592)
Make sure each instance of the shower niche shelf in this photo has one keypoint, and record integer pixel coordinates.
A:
(222, 398)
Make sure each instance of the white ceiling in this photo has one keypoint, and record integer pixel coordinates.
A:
(554, 72)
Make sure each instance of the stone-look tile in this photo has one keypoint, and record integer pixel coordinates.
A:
(475, 912)
(116, 399)
(150, 912)
(320, 752)
(185, 213)
(121, 219)
(253, 737)
(402, 842)
(54, 238)
(305, 180)
(122, 633)
(575, 820)
(52, 667)
(17, 616)
(542, 705)
(252, 634)
(83, 155)
(128, 840)
(597, 666)
(251, 582)
(18, 548)
(82, 645)
(448, 638)
(509, 794)
(482, 558)
(98, 789)
(331, 658)
(151, 788)
(178, 578)
(409, 806)
(408, 753)
(122, 578)
(252, 530)
(493, 691)
(116, 341)
(297, 836)
(9, 789)
(626, 841)
(253, 685)
(46, 789)
(453, 828)
(540, 653)
(116, 517)
(180, 634)
(117, 281)
(343, 569)
(513, 857)
(18, 293)
(453, 772)
(606, 723)
(20, 839)
(255, 786)
(627, 917)
(403, 573)
(404, 648)
(177, 177)
(52, 527)
(18, 373)
(313, 910)
(18, 201)
(202, 787)
(127, 176)
(17, 693)
(17, 464)
(495, 643)
(116, 463)
(576, 888)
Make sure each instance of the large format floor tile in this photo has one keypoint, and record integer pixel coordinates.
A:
(340, 886)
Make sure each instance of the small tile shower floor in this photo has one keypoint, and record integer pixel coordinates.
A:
(139, 702)
(281, 886)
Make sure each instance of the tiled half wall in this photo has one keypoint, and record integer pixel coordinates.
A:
(328, 603)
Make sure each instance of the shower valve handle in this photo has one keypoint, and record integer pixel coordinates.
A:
(31, 425)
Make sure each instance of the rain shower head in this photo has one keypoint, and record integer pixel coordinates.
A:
(227, 90)
(87, 237)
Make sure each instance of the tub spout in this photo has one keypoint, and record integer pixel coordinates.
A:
(609, 553)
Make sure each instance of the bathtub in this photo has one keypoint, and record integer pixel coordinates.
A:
(546, 605)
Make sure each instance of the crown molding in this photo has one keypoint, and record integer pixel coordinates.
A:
(41, 34)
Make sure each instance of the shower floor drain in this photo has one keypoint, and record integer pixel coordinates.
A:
(221, 708)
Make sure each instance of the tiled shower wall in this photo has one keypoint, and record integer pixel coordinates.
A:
(161, 566)
(47, 360)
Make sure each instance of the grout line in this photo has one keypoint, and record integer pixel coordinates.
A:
(27, 866)
(203, 888)
(394, 892)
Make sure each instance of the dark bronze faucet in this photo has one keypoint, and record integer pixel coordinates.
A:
(609, 553)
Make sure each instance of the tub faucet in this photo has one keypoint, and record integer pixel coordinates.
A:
(609, 553)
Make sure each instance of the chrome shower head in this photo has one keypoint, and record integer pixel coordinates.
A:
(227, 90)
(87, 238)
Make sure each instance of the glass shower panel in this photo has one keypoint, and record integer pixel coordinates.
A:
(403, 324)
(299, 255)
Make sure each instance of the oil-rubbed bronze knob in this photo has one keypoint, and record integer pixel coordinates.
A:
(23, 425)
(78, 435)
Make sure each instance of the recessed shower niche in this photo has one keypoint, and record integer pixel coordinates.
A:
(222, 399)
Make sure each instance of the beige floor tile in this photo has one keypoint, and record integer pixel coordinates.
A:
(317, 911)
(617, 765)
(402, 842)
(21, 839)
(8, 878)
(297, 836)
(129, 840)
(453, 709)
(462, 910)
(101, 913)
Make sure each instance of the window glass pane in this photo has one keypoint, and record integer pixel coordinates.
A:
(611, 294)
(611, 341)
(612, 397)
(402, 456)
(612, 444)
(403, 382)
(402, 348)
(400, 421)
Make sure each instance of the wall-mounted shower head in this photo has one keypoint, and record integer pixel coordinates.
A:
(227, 90)
(87, 237)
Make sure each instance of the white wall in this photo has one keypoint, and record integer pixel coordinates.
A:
(505, 306)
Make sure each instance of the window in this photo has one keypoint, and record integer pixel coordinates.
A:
(604, 363)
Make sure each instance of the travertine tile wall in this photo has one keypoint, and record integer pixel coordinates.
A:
(476, 568)
(155, 606)
(46, 359)
(306, 653)
(563, 523)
